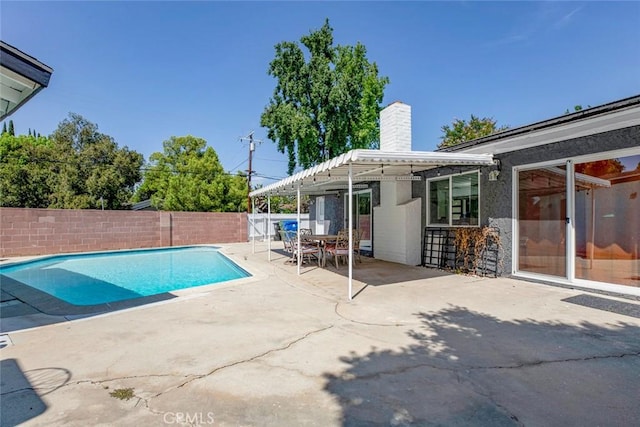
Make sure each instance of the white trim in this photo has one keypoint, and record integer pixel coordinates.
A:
(570, 231)
(350, 233)
(624, 152)
(581, 283)
(269, 226)
(253, 221)
(515, 224)
(369, 245)
(588, 126)
(396, 164)
(450, 178)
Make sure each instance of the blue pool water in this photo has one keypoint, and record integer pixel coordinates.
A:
(88, 279)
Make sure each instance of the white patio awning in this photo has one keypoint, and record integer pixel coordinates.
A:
(360, 166)
(368, 165)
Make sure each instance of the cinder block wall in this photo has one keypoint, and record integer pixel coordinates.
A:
(47, 231)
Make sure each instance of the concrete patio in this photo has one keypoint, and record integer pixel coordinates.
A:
(415, 347)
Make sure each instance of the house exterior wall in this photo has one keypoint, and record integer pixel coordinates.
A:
(47, 231)
(496, 197)
(334, 211)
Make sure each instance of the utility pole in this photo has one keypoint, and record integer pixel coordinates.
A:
(252, 148)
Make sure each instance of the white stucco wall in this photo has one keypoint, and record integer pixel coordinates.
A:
(397, 224)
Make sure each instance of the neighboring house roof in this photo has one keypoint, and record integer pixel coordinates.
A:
(603, 118)
(144, 205)
(21, 78)
(368, 165)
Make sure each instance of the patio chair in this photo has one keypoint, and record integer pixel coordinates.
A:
(287, 241)
(341, 247)
(305, 232)
(307, 250)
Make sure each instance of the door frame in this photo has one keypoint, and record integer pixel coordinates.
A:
(364, 244)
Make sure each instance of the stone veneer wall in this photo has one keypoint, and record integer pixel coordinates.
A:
(48, 231)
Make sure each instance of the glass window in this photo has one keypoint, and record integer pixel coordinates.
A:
(464, 199)
(439, 202)
(453, 200)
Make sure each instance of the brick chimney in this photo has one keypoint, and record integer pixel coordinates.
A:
(397, 219)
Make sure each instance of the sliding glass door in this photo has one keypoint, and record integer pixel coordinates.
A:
(542, 213)
(580, 221)
(607, 225)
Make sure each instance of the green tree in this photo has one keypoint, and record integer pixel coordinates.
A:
(187, 176)
(463, 130)
(73, 169)
(92, 168)
(283, 204)
(325, 105)
(26, 178)
(10, 129)
(4, 128)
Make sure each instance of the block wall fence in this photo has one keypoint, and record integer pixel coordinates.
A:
(50, 231)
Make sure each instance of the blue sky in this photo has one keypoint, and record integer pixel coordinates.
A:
(145, 71)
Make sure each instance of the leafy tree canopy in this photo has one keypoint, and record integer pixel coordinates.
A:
(463, 130)
(93, 169)
(77, 167)
(283, 204)
(187, 176)
(26, 180)
(326, 102)
(600, 167)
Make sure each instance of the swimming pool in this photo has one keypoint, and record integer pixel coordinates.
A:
(106, 277)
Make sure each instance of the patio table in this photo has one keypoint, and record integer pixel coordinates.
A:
(322, 240)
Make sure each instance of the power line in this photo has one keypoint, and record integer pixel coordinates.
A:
(141, 169)
(238, 165)
(271, 160)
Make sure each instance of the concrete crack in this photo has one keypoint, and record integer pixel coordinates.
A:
(548, 362)
(337, 305)
(458, 369)
(239, 362)
(498, 405)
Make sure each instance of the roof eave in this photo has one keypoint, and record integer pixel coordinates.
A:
(626, 103)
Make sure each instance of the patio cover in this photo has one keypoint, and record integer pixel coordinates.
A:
(367, 165)
(344, 172)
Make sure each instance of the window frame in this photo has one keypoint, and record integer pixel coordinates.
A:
(450, 178)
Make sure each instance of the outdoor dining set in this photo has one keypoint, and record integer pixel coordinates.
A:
(320, 246)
